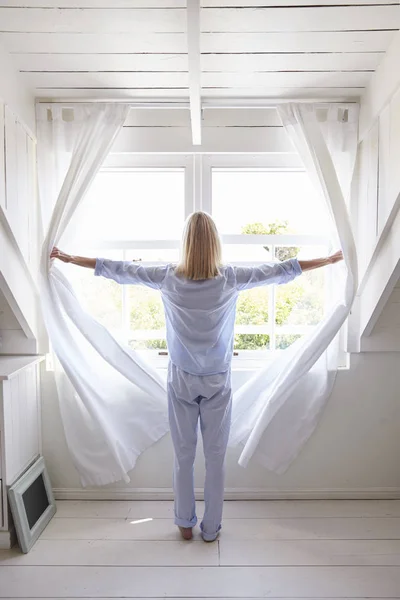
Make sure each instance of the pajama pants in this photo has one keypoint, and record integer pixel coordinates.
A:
(208, 399)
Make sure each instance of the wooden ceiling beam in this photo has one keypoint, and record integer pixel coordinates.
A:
(194, 62)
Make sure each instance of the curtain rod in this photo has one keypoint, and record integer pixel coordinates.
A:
(242, 103)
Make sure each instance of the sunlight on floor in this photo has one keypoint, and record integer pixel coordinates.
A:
(141, 521)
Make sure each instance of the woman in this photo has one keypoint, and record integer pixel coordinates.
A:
(199, 297)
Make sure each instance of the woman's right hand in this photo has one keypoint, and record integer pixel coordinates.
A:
(56, 253)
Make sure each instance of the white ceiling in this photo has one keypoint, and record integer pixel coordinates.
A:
(253, 48)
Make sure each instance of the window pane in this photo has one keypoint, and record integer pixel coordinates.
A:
(251, 326)
(302, 301)
(100, 297)
(133, 205)
(284, 341)
(251, 253)
(146, 318)
(153, 255)
(145, 309)
(156, 344)
(251, 341)
(257, 201)
(252, 307)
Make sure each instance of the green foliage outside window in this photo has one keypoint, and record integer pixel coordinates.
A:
(252, 306)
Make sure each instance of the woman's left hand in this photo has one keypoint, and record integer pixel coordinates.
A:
(56, 253)
(337, 257)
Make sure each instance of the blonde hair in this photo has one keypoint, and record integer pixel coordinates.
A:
(201, 248)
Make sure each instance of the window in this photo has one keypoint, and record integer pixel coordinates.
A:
(134, 204)
(136, 212)
(268, 214)
(265, 196)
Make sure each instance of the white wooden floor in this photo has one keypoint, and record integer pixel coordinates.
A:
(309, 549)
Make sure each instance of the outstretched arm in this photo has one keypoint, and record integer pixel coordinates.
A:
(316, 263)
(279, 272)
(121, 271)
(81, 261)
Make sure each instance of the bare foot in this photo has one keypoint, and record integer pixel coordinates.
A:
(186, 533)
(212, 539)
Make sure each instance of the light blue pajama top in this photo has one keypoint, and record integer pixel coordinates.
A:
(200, 315)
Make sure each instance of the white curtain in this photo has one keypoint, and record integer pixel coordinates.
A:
(112, 404)
(276, 412)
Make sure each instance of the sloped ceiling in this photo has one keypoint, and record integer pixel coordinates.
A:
(254, 48)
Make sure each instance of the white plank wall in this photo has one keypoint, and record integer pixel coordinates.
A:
(367, 234)
(378, 205)
(11, 333)
(325, 18)
(18, 234)
(383, 86)
(297, 41)
(16, 285)
(211, 62)
(21, 422)
(389, 147)
(178, 139)
(248, 49)
(157, 130)
(286, 3)
(20, 205)
(385, 336)
(344, 83)
(20, 43)
(223, 131)
(7, 318)
(343, 94)
(24, 199)
(173, 20)
(314, 549)
(2, 161)
(10, 147)
(95, 21)
(182, 3)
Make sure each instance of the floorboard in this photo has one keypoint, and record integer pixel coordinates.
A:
(288, 550)
(115, 553)
(238, 509)
(310, 553)
(207, 582)
(387, 528)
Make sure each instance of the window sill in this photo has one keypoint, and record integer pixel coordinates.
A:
(243, 364)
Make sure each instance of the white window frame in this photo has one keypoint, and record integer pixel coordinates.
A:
(272, 162)
(129, 161)
(198, 196)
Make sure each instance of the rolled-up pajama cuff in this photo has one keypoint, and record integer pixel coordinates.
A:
(296, 266)
(98, 270)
